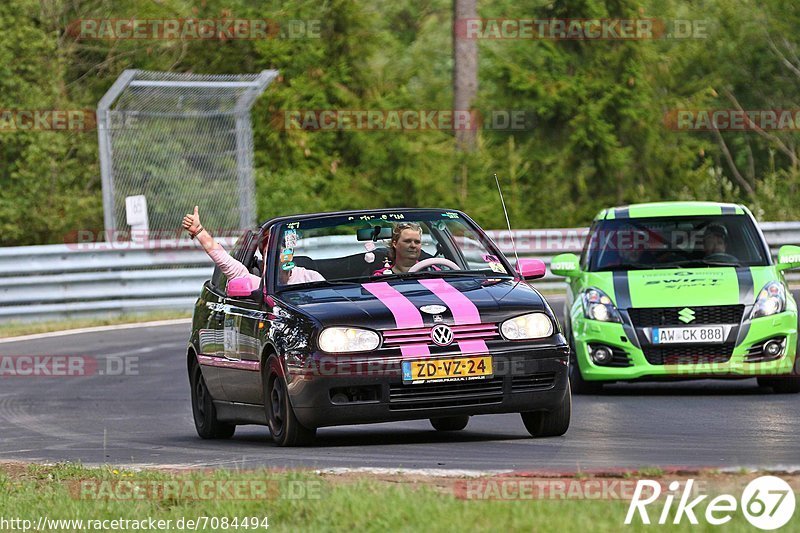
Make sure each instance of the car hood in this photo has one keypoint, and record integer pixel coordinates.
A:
(682, 287)
(397, 303)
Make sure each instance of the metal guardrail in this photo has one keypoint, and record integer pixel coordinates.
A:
(71, 280)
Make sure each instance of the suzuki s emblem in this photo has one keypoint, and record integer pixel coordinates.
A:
(433, 309)
(686, 315)
(442, 335)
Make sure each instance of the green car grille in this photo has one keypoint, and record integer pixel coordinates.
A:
(688, 354)
(643, 317)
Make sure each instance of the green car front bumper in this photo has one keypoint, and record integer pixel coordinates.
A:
(631, 362)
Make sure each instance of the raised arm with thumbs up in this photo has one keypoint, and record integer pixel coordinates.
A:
(230, 267)
(191, 223)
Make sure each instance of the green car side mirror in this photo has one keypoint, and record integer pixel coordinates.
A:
(788, 257)
(565, 265)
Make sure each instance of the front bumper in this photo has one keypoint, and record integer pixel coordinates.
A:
(782, 325)
(524, 380)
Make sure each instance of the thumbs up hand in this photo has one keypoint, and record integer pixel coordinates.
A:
(191, 222)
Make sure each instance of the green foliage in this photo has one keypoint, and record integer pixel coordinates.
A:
(595, 136)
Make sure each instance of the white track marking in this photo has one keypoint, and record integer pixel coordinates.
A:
(153, 324)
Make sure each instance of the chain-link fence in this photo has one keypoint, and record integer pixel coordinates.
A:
(178, 140)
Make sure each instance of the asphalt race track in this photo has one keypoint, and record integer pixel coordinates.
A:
(144, 418)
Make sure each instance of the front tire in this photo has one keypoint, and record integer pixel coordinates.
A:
(283, 424)
(781, 384)
(450, 423)
(553, 423)
(205, 414)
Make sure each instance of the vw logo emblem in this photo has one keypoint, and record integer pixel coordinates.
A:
(442, 335)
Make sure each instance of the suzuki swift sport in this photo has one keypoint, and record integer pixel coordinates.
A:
(455, 332)
(679, 290)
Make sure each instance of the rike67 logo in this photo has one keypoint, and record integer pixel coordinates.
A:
(767, 502)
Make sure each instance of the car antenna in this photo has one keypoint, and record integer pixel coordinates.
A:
(505, 212)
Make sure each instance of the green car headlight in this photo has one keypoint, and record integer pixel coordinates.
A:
(530, 326)
(771, 300)
(338, 340)
(598, 306)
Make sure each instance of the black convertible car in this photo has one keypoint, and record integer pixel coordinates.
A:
(457, 334)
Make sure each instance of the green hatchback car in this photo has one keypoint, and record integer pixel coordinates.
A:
(679, 290)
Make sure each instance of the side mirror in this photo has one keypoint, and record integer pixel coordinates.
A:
(788, 257)
(565, 265)
(240, 288)
(531, 268)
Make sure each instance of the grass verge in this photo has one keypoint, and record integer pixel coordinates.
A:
(15, 329)
(303, 501)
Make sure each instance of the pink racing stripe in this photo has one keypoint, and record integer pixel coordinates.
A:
(473, 346)
(221, 362)
(405, 314)
(464, 311)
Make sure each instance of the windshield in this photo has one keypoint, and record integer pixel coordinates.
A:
(371, 247)
(674, 242)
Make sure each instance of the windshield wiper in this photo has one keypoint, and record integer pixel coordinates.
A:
(322, 282)
(439, 274)
(698, 262)
(626, 266)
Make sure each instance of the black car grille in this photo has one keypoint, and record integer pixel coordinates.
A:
(464, 393)
(533, 382)
(688, 355)
(643, 317)
(460, 393)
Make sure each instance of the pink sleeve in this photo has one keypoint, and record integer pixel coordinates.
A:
(230, 266)
(303, 275)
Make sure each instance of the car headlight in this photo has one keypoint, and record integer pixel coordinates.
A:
(598, 306)
(771, 300)
(338, 340)
(530, 326)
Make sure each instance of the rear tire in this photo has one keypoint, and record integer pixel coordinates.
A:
(552, 423)
(205, 414)
(781, 384)
(450, 423)
(283, 424)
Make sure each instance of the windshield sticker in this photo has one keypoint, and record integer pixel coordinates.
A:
(387, 216)
(287, 254)
(369, 257)
(450, 215)
(293, 225)
(288, 266)
(494, 263)
(290, 238)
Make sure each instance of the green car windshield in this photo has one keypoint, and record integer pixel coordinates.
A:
(674, 242)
